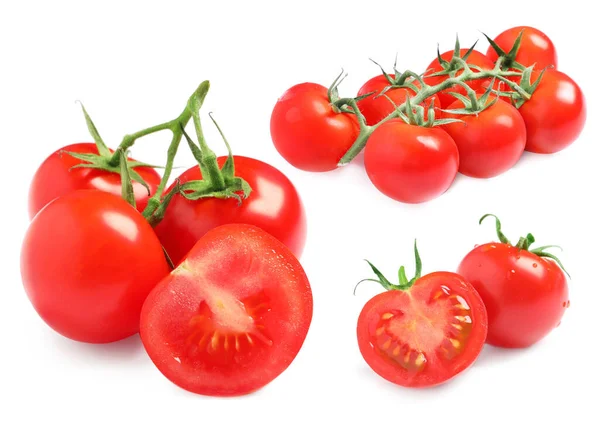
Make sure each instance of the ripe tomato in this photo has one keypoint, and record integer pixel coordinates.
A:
(536, 48)
(55, 178)
(555, 114)
(88, 261)
(490, 142)
(375, 108)
(425, 335)
(307, 132)
(479, 85)
(232, 316)
(411, 164)
(274, 206)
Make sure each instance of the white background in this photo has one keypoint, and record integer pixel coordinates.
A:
(134, 64)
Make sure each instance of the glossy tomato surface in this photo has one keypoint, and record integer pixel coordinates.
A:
(490, 142)
(555, 114)
(88, 261)
(536, 47)
(411, 164)
(479, 85)
(426, 335)
(307, 132)
(525, 295)
(273, 205)
(232, 316)
(55, 178)
(376, 107)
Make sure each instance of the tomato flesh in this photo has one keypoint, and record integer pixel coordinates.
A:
(232, 316)
(426, 335)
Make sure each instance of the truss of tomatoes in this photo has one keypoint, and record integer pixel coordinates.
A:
(413, 159)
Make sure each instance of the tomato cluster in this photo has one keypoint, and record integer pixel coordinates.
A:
(490, 108)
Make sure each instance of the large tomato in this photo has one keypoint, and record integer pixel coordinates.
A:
(306, 130)
(536, 48)
(232, 316)
(490, 142)
(88, 261)
(411, 164)
(479, 85)
(55, 177)
(273, 205)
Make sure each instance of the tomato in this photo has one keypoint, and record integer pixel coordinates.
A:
(536, 48)
(411, 164)
(232, 316)
(55, 178)
(555, 114)
(426, 335)
(479, 85)
(375, 107)
(88, 261)
(307, 132)
(273, 205)
(490, 142)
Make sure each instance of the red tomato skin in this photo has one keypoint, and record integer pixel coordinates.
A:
(386, 301)
(307, 132)
(88, 261)
(525, 295)
(55, 178)
(555, 115)
(375, 108)
(228, 257)
(411, 164)
(489, 143)
(478, 85)
(274, 205)
(536, 47)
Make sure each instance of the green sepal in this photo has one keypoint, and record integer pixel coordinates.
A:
(508, 58)
(103, 150)
(126, 186)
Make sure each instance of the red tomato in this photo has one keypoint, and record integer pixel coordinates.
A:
(525, 294)
(307, 132)
(479, 85)
(274, 206)
(375, 108)
(490, 142)
(425, 335)
(411, 164)
(555, 114)
(536, 48)
(55, 178)
(88, 261)
(231, 317)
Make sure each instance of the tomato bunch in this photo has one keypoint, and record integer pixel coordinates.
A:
(470, 113)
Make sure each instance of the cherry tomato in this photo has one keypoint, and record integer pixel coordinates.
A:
(307, 132)
(490, 142)
(555, 114)
(375, 107)
(55, 178)
(88, 261)
(479, 85)
(422, 332)
(273, 205)
(411, 164)
(536, 48)
(232, 316)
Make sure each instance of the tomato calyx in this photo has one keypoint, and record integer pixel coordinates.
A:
(508, 59)
(525, 243)
(473, 104)
(456, 63)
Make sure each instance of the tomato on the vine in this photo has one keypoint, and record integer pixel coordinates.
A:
(525, 291)
(88, 261)
(376, 106)
(536, 47)
(56, 177)
(274, 205)
(410, 163)
(232, 316)
(490, 142)
(308, 132)
(422, 332)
